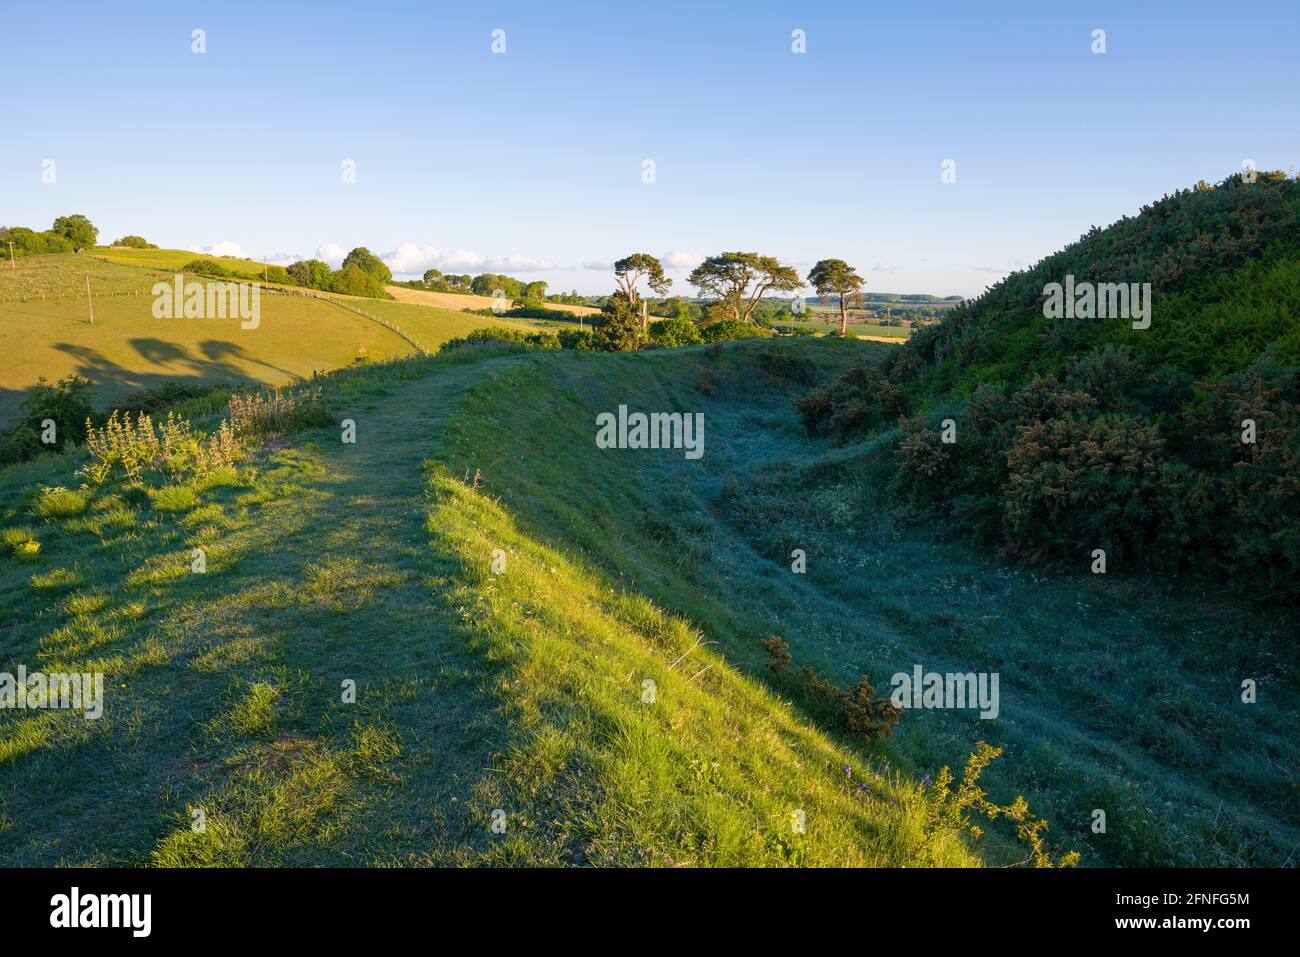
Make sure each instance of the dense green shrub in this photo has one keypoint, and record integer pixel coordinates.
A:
(534, 310)
(580, 340)
(134, 242)
(352, 280)
(206, 267)
(29, 242)
(675, 332)
(620, 326)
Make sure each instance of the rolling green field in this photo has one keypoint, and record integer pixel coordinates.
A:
(520, 687)
(173, 260)
(827, 324)
(127, 349)
(63, 276)
(45, 331)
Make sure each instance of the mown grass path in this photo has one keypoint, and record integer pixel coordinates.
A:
(225, 688)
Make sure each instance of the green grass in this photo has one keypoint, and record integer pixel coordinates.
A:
(831, 324)
(127, 349)
(433, 326)
(369, 566)
(45, 329)
(173, 260)
(63, 276)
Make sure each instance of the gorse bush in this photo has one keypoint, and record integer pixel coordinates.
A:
(855, 709)
(1172, 447)
(620, 328)
(778, 654)
(675, 332)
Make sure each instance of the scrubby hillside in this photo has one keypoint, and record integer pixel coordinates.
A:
(1171, 447)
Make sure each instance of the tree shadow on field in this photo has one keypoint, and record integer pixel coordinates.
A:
(213, 364)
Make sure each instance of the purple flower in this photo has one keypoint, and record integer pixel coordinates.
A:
(847, 769)
(925, 781)
(862, 787)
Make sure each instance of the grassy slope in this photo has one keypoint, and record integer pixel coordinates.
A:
(522, 691)
(63, 276)
(173, 260)
(127, 349)
(477, 692)
(45, 330)
(1115, 695)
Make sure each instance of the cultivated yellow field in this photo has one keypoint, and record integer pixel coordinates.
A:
(454, 300)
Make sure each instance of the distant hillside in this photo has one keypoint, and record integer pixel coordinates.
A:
(46, 332)
(1172, 446)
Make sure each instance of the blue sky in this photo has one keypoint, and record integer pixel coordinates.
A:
(531, 161)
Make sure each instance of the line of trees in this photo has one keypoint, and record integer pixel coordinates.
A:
(68, 234)
(362, 274)
(733, 285)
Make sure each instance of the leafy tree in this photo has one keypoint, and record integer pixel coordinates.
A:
(369, 263)
(739, 280)
(836, 277)
(489, 282)
(630, 270)
(311, 273)
(352, 280)
(77, 229)
(134, 242)
(535, 291)
(32, 243)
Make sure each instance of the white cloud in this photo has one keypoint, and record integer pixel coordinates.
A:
(410, 258)
(462, 260)
(226, 247)
(519, 264)
(281, 259)
(681, 259)
(331, 253)
(597, 265)
(888, 268)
